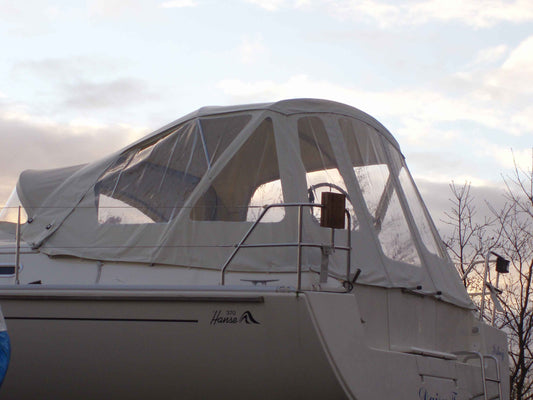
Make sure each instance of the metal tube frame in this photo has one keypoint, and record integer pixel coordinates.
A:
(494, 306)
(299, 244)
(483, 294)
(17, 251)
(484, 289)
(470, 355)
(299, 258)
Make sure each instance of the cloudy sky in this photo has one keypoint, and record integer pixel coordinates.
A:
(452, 79)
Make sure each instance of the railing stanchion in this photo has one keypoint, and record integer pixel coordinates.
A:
(299, 244)
(484, 289)
(299, 259)
(349, 245)
(17, 252)
(237, 247)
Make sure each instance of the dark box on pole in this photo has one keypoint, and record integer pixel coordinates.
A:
(333, 206)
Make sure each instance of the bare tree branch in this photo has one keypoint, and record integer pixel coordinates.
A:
(509, 231)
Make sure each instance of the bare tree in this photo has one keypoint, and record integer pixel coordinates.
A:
(516, 244)
(469, 240)
(509, 232)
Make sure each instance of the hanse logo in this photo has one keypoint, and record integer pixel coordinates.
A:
(230, 317)
(248, 318)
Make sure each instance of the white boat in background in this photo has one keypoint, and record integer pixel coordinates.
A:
(199, 262)
(5, 348)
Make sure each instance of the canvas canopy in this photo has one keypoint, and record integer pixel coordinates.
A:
(185, 195)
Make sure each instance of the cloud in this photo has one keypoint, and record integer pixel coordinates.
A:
(521, 57)
(490, 55)
(382, 13)
(270, 5)
(475, 116)
(38, 143)
(30, 18)
(275, 5)
(497, 96)
(418, 106)
(70, 85)
(296, 86)
(178, 4)
(523, 119)
(463, 157)
(474, 13)
(505, 88)
(522, 158)
(116, 8)
(437, 197)
(252, 49)
(429, 164)
(68, 69)
(517, 71)
(90, 95)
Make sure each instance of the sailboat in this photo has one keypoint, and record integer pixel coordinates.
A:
(275, 250)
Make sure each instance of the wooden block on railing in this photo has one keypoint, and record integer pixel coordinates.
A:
(333, 206)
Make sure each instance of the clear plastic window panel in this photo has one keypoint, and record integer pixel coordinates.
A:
(219, 132)
(394, 235)
(151, 184)
(267, 193)
(372, 171)
(10, 211)
(114, 211)
(369, 163)
(417, 209)
(248, 182)
(373, 181)
(322, 173)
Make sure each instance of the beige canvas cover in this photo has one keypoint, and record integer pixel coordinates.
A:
(185, 195)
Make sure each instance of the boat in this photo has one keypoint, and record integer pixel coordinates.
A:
(276, 250)
(5, 348)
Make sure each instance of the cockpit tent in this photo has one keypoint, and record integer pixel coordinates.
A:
(184, 195)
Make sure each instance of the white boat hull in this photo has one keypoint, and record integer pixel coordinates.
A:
(164, 345)
(88, 343)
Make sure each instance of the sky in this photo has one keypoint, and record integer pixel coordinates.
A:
(452, 80)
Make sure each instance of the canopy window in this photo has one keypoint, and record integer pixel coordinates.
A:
(152, 183)
(372, 171)
(420, 216)
(217, 133)
(249, 181)
(394, 235)
(10, 212)
(322, 172)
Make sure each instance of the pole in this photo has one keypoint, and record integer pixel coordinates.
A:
(299, 258)
(484, 290)
(17, 253)
(493, 306)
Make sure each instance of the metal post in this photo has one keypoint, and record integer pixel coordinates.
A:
(494, 306)
(484, 289)
(300, 244)
(17, 252)
(238, 246)
(299, 259)
(349, 252)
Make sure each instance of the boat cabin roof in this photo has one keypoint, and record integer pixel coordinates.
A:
(187, 193)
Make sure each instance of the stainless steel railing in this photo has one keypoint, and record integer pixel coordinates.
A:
(482, 358)
(17, 252)
(299, 244)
